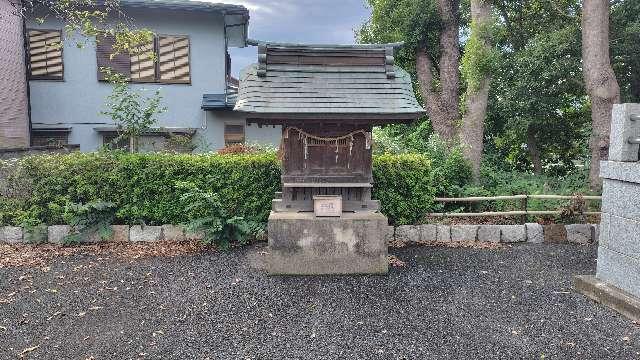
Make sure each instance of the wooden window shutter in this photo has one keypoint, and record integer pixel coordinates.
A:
(173, 59)
(143, 64)
(233, 134)
(120, 63)
(45, 54)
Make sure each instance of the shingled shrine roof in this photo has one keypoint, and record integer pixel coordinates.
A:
(331, 81)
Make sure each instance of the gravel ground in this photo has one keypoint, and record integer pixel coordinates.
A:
(445, 303)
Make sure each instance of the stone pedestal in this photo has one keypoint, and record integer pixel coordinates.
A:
(303, 244)
(617, 281)
(619, 246)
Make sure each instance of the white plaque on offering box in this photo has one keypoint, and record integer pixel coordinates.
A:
(327, 205)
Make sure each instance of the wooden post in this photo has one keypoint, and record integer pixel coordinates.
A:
(523, 207)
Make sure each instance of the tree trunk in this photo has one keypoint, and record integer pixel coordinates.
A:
(600, 81)
(441, 91)
(534, 151)
(472, 134)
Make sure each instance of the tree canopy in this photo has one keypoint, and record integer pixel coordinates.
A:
(538, 112)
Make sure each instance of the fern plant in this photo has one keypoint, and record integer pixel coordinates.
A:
(208, 216)
(93, 217)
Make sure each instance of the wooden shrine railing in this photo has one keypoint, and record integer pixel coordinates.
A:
(524, 203)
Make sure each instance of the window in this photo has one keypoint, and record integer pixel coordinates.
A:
(171, 65)
(173, 59)
(233, 134)
(50, 137)
(45, 54)
(109, 139)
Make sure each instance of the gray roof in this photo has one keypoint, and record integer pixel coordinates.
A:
(228, 9)
(315, 79)
(218, 101)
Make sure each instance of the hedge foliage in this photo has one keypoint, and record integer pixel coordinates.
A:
(38, 189)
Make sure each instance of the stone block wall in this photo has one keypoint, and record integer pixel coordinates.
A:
(619, 247)
(512, 234)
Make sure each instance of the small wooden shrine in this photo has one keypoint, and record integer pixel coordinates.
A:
(327, 98)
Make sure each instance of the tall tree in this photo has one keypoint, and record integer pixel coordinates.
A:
(477, 64)
(440, 86)
(600, 81)
(430, 30)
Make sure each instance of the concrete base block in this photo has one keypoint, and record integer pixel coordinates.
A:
(428, 233)
(173, 233)
(513, 233)
(608, 295)
(138, 233)
(302, 244)
(619, 270)
(489, 233)
(579, 233)
(555, 234)
(535, 233)
(408, 234)
(57, 233)
(464, 232)
(119, 233)
(443, 233)
(11, 235)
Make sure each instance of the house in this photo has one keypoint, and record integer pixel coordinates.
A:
(67, 92)
(14, 115)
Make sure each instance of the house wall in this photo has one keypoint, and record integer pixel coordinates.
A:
(78, 100)
(209, 139)
(14, 116)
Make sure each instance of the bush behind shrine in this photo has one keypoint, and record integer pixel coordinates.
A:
(142, 186)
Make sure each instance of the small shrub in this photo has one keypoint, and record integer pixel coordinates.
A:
(90, 218)
(404, 186)
(207, 215)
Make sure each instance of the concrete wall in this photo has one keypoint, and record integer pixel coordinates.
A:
(14, 118)
(77, 101)
(619, 250)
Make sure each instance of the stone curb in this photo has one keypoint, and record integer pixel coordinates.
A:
(531, 233)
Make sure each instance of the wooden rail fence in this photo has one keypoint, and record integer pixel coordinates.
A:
(524, 203)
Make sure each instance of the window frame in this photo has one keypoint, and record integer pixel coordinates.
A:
(39, 133)
(45, 77)
(244, 133)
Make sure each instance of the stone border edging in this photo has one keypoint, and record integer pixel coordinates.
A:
(531, 233)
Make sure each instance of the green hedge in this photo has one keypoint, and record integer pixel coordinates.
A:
(37, 188)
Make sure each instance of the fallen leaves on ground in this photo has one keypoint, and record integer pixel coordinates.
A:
(396, 262)
(42, 255)
(397, 243)
(27, 351)
(463, 244)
